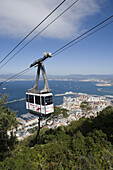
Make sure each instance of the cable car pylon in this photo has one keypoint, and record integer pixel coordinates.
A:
(40, 102)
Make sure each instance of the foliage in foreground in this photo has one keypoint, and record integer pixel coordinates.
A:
(84, 144)
(7, 120)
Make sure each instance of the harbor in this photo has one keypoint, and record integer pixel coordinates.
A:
(75, 112)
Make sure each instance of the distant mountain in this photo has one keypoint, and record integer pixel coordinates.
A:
(77, 77)
(26, 77)
(74, 77)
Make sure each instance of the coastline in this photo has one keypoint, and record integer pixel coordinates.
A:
(104, 85)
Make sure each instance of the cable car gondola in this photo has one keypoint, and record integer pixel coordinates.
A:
(40, 102)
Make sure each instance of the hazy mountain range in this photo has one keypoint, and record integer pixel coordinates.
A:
(74, 77)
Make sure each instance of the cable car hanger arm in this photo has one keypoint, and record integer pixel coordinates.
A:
(40, 65)
(46, 55)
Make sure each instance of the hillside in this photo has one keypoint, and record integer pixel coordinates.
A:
(84, 144)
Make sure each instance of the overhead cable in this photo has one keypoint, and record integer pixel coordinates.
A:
(83, 34)
(17, 75)
(68, 45)
(39, 33)
(32, 31)
(83, 38)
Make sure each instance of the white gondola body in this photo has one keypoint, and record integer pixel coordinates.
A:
(39, 103)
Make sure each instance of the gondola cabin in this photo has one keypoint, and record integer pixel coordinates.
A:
(40, 104)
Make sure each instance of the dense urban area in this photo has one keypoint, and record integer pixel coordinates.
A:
(82, 105)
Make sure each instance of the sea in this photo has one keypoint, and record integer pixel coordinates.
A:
(17, 90)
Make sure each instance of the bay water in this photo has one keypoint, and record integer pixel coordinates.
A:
(17, 90)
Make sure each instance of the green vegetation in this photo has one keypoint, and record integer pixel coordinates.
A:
(7, 121)
(85, 144)
(85, 107)
(58, 111)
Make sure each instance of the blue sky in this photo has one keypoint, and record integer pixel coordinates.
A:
(93, 55)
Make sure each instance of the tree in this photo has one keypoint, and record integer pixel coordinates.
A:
(85, 107)
(7, 121)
